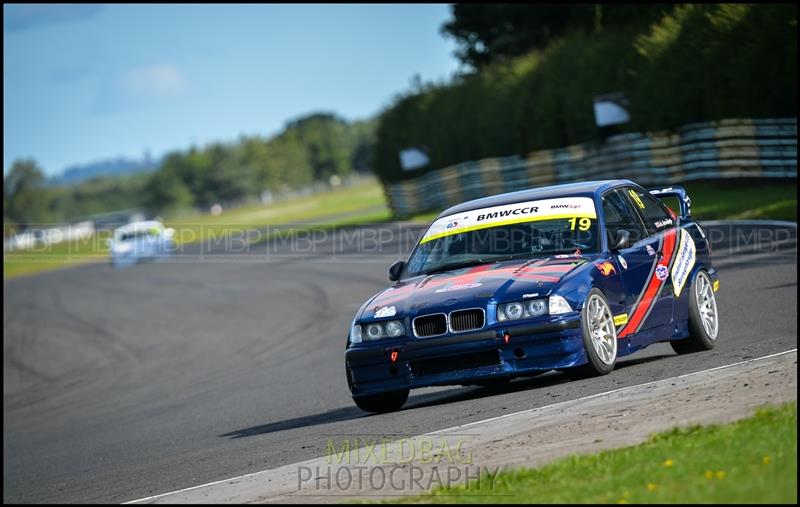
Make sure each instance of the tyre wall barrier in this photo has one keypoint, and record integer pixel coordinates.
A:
(733, 148)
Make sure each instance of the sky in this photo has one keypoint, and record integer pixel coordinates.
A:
(83, 83)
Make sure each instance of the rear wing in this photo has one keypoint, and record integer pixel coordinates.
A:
(677, 192)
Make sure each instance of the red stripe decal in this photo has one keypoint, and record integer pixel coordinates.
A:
(651, 289)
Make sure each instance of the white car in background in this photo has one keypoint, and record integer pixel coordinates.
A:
(147, 239)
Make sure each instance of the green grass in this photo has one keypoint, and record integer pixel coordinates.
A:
(366, 203)
(753, 460)
(358, 200)
(48, 258)
(731, 200)
(743, 200)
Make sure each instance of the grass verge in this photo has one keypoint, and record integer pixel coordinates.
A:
(728, 200)
(737, 200)
(753, 460)
(364, 202)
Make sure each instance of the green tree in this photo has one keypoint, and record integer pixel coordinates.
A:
(24, 194)
(326, 142)
(166, 192)
(488, 33)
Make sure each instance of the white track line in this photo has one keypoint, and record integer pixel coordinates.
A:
(237, 478)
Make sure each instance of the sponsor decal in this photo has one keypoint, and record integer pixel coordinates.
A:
(576, 253)
(620, 319)
(508, 212)
(663, 223)
(606, 268)
(716, 285)
(496, 216)
(386, 311)
(650, 250)
(622, 262)
(459, 287)
(528, 296)
(653, 286)
(685, 257)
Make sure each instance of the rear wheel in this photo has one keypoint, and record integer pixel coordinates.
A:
(599, 338)
(380, 403)
(703, 317)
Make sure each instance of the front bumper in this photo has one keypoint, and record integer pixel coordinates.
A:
(465, 357)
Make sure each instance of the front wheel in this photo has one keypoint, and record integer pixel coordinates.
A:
(599, 338)
(381, 403)
(703, 317)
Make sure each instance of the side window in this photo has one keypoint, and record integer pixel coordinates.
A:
(619, 214)
(655, 217)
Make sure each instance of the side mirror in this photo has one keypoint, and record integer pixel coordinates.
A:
(395, 270)
(620, 240)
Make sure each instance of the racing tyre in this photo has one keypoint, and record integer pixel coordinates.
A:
(703, 317)
(599, 337)
(381, 403)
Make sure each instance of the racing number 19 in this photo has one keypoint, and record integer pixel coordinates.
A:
(583, 223)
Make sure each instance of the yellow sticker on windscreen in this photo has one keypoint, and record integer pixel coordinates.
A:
(496, 216)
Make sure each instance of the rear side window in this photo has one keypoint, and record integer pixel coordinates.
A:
(655, 217)
(619, 214)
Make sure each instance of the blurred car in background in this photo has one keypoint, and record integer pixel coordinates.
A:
(145, 240)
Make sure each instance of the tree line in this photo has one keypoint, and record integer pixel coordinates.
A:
(311, 148)
(531, 73)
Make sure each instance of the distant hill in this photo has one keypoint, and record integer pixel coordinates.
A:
(109, 167)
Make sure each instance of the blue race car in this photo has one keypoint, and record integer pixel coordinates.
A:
(567, 277)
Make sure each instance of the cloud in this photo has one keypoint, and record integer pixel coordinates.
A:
(154, 81)
(19, 17)
(138, 88)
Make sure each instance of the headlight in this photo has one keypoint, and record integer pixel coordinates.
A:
(355, 333)
(513, 311)
(394, 328)
(537, 307)
(378, 330)
(517, 310)
(558, 304)
(374, 331)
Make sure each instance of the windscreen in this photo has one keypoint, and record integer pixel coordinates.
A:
(521, 230)
(141, 233)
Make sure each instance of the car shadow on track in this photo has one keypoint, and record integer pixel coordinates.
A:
(424, 400)
(549, 379)
(331, 416)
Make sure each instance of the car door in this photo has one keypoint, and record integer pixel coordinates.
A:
(663, 232)
(636, 262)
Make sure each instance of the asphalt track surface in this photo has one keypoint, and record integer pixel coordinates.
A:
(124, 383)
